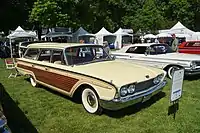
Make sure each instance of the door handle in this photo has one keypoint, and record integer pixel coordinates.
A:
(46, 68)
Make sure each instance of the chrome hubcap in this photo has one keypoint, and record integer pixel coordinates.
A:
(91, 99)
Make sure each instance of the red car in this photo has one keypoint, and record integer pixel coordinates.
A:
(191, 47)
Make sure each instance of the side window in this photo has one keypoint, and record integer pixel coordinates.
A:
(32, 54)
(57, 57)
(45, 55)
(136, 50)
(76, 55)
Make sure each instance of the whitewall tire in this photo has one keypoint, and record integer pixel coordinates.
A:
(33, 82)
(171, 70)
(90, 101)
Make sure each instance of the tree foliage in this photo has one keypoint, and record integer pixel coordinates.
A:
(144, 15)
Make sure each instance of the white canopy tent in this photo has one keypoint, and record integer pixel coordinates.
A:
(183, 35)
(101, 34)
(19, 33)
(162, 35)
(119, 37)
(33, 33)
(150, 36)
(52, 36)
(196, 36)
(180, 31)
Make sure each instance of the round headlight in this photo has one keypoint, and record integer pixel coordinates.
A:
(160, 77)
(193, 65)
(156, 80)
(123, 91)
(131, 89)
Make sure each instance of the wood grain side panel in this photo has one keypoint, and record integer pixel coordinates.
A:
(59, 81)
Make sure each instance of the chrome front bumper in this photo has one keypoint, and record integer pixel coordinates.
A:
(192, 71)
(120, 103)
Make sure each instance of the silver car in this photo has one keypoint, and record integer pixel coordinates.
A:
(160, 56)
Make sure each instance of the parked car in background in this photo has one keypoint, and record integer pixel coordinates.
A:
(3, 122)
(160, 56)
(88, 72)
(191, 47)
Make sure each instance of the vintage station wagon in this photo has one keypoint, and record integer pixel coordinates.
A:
(88, 72)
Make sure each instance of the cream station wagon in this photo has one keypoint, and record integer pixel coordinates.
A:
(88, 72)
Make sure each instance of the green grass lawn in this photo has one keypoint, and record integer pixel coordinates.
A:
(39, 108)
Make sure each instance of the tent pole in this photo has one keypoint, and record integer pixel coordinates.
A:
(10, 48)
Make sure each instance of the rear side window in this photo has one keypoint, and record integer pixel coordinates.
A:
(45, 55)
(57, 57)
(32, 54)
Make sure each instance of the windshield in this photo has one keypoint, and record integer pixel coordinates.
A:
(159, 49)
(85, 54)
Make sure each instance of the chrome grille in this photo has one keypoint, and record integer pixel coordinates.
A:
(144, 85)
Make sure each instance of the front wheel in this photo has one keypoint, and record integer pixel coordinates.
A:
(171, 70)
(90, 101)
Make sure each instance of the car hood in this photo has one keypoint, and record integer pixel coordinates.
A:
(178, 56)
(117, 72)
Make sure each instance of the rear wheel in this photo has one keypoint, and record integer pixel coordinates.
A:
(90, 101)
(33, 82)
(171, 70)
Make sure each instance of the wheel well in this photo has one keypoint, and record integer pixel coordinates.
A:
(168, 66)
(78, 92)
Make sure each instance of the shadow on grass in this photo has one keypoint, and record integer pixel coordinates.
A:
(135, 108)
(17, 120)
(191, 78)
(115, 114)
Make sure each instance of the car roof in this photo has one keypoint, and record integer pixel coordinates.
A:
(124, 49)
(26, 43)
(144, 44)
(57, 45)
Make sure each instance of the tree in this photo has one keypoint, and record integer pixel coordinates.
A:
(148, 18)
(48, 14)
(15, 13)
(180, 10)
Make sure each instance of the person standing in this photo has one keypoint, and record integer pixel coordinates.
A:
(174, 43)
(106, 47)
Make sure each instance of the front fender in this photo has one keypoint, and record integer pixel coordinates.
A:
(104, 90)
